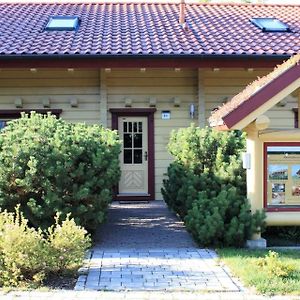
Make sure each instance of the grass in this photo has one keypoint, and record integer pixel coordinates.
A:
(246, 265)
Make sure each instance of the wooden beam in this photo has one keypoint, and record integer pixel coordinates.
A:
(298, 109)
(201, 100)
(141, 62)
(103, 98)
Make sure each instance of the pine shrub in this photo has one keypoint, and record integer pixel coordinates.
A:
(224, 220)
(206, 186)
(48, 165)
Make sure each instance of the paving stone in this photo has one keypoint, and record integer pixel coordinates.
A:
(138, 250)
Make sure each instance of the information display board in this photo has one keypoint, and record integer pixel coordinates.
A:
(283, 176)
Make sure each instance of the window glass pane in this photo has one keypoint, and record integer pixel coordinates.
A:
(63, 23)
(138, 140)
(2, 124)
(135, 127)
(125, 127)
(138, 156)
(140, 127)
(129, 126)
(127, 140)
(127, 156)
(270, 24)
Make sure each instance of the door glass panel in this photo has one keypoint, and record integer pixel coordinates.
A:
(132, 142)
(127, 140)
(127, 156)
(138, 156)
(138, 140)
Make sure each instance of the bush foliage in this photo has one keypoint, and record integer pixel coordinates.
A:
(48, 165)
(206, 186)
(28, 255)
(275, 267)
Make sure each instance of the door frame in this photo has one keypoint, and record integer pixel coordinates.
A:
(138, 112)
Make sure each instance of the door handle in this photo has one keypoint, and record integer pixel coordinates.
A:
(146, 155)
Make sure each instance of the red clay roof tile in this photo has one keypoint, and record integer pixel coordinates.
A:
(147, 29)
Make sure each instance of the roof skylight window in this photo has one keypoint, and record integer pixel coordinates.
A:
(270, 25)
(63, 23)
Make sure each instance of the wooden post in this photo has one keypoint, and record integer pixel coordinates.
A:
(201, 100)
(103, 98)
(299, 108)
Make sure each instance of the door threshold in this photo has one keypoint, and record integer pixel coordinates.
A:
(133, 197)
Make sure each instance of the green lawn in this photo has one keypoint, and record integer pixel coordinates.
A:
(245, 265)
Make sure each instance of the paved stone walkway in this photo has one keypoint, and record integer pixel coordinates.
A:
(145, 247)
(135, 295)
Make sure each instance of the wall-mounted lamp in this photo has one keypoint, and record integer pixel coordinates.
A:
(128, 102)
(71, 70)
(152, 101)
(46, 102)
(192, 111)
(19, 102)
(176, 101)
(74, 102)
(282, 103)
(33, 70)
(246, 157)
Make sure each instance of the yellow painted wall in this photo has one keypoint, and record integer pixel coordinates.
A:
(58, 85)
(225, 83)
(255, 179)
(163, 84)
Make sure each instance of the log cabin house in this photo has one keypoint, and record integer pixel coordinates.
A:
(142, 68)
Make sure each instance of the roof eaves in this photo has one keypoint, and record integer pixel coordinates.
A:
(89, 56)
(227, 114)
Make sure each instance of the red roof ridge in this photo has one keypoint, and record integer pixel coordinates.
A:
(217, 117)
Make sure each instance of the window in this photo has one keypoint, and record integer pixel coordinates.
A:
(270, 25)
(3, 123)
(63, 23)
(133, 142)
(282, 176)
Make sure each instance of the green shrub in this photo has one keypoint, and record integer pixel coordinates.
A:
(224, 220)
(206, 186)
(48, 165)
(28, 255)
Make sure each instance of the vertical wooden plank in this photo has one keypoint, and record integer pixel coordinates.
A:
(103, 98)
(201, 100)
(298, 113)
